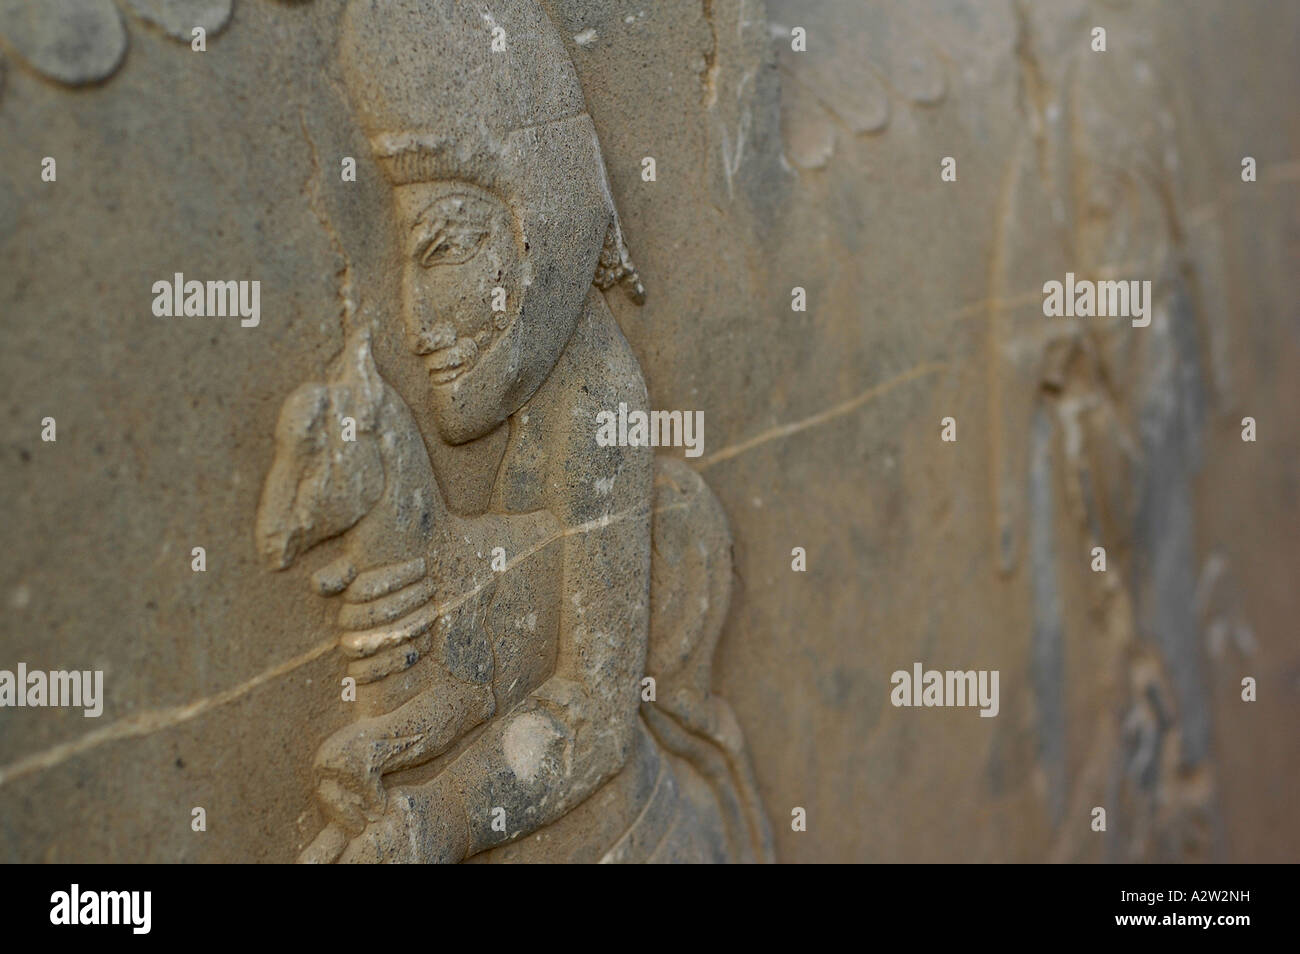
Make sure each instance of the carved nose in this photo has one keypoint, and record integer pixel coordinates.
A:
(432, 337)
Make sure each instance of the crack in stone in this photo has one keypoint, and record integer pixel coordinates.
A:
(156, 720)
(838, 410)
(146, 723)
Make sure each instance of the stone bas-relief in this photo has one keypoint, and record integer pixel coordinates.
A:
(352, 577)
(519, 696)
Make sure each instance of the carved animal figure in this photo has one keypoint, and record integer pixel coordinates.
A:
(349, 457)
(432, 657)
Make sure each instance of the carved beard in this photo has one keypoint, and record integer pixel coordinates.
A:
(501, 377)
(505, 375)
(553, 180)
(447, 364)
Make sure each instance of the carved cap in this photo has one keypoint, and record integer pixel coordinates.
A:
(430, 89)
(438, 101)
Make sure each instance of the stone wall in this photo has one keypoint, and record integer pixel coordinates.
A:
(795, 145)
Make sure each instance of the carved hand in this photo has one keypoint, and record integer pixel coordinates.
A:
(378, 595)
(422, 825)
(350, 787)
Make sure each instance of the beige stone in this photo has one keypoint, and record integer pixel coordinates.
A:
(439, 620)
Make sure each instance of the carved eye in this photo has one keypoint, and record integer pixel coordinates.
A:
(452, 230)
(450, 245)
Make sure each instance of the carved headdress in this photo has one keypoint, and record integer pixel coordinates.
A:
(455, 89)
(452, 90)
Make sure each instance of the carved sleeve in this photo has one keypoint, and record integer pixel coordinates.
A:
(556, 746)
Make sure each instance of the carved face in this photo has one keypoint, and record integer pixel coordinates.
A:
(462, 276)
(513, 123)
(493, 279)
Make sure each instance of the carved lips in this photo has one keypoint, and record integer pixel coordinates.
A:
(447, 364)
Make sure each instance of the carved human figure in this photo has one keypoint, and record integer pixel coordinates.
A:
(417, 647)
(504, 700)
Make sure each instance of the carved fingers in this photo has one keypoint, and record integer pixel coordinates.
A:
(335, 577)
(385, 609)
(382, 607)
(359, 645)
(382, 580)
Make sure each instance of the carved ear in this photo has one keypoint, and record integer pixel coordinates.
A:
(616, 266)
(615, 263)
(298, 438)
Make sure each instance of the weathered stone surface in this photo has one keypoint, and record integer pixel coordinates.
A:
(498, 583)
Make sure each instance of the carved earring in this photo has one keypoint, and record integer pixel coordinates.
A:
(616, 266)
